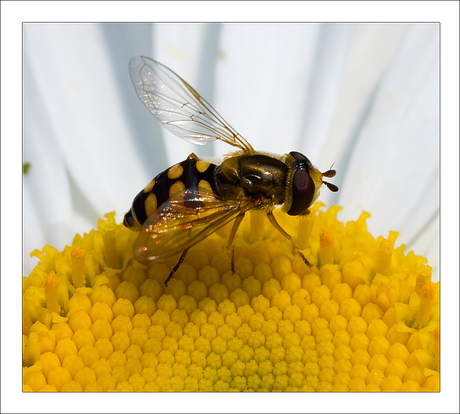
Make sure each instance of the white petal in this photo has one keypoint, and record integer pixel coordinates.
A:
(262, 82)
(81, 95)
(393, 169)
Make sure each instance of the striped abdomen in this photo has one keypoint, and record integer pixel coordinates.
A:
(191, 173)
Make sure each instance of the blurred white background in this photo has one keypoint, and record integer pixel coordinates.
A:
(361, 96)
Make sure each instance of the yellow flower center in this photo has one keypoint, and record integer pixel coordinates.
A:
(363, 317)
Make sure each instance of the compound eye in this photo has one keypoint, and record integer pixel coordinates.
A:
(299, 158)
(128, 220)
(303, 190)
(302, 186)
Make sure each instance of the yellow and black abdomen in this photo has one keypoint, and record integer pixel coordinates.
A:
(191, 173)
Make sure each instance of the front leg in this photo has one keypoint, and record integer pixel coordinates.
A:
(275, 224)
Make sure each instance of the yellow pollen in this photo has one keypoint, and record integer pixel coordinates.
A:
(385, 253)
(437, 337)
(423, 277)
(26, 319)
(427, 295)
(175, 172)
(52, 293)
(78, 255)
(326, 249)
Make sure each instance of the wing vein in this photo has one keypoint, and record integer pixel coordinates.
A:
(173, 101)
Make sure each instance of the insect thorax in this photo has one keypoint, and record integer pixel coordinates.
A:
(261, 176)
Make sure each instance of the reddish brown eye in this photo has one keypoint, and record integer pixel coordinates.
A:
(303, 187)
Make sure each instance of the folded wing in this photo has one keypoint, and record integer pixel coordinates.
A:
(185, 219)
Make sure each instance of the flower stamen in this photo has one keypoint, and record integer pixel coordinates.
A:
(326, 249)
(305, 227)
(52, 293)
(427, 294)
(78, 266)
(385, 254)
(109, 235)
(423, 277)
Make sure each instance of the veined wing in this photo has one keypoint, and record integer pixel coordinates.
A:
(185, 219)
(178, 106)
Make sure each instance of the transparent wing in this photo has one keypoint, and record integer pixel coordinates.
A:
(185, 219)
(178, 106)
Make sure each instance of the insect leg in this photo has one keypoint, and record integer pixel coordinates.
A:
(228, 247)
(174, 269)
(275, 224)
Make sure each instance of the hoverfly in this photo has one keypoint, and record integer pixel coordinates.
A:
(186, 203)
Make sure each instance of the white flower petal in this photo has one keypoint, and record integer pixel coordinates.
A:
(86, 113)
(47, 197)
(393, 169)
(262, 81)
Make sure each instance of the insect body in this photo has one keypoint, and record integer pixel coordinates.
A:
(186, 203)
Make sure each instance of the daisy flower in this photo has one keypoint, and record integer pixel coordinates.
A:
(363, 317)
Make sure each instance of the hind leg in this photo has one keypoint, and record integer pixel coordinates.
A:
(174, 269)
(235, 227)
